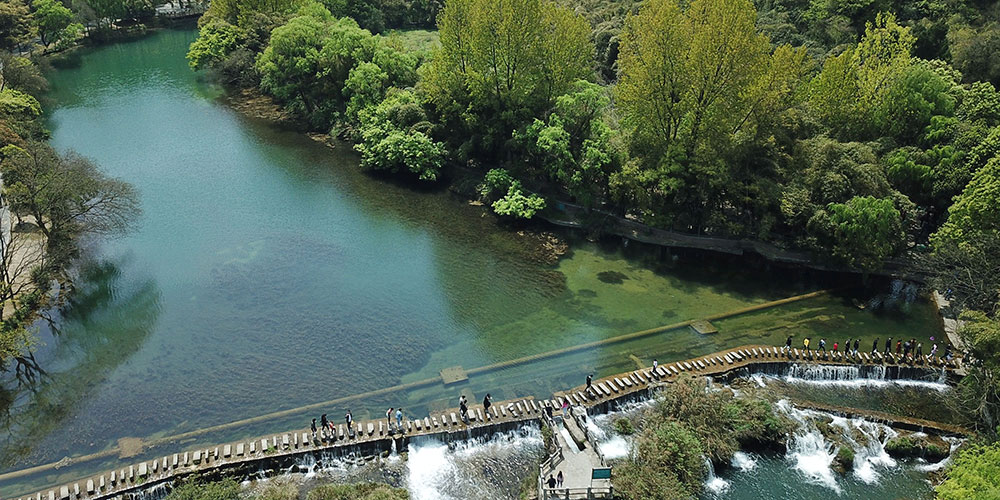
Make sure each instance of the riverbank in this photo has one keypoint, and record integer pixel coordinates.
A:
(592, 223)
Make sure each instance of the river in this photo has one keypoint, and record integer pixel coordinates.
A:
(268, 273)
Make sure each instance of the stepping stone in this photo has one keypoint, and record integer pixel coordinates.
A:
(604, 389)
(90, 486)
(435, 420)
(496, 414)
(416, 424)
(154, 466)
(76, 489)
(284, 441)
(175, 460)
(196, 458)
(380, 431)
(454, 420)
(444, 419)
(581, 396)
(427, 423)
(143, 470)
(239, 449)
(101, 484)
(641, 378)
(131, 473)
(634, 379)
(674, 369)
(371, 428)
(64, 492)
(627, 381)
(728, 359)
(479, 413)
(533, 407)
(305, 440)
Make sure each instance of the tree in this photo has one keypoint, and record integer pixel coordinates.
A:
(969, 275)
(858, 92)
(393, 138)
(216, 40)
(65, 195)
(974, 216)
(978, 393)
(974, 474)
(51, 19)
(16, 26)
(502, 62)
(976, 51)
(861, 233)
(691, 82)
(574, 145)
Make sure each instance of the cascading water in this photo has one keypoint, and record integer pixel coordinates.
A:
(713, 483)
(812, 454)
(808, 451)
(867, 440)
(476, 468)
(853, 376)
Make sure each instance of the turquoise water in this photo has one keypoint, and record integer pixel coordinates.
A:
(269, 273)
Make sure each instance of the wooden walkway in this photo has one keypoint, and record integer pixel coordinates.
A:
(376, 436)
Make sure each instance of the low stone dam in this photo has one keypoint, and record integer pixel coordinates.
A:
(371, 437)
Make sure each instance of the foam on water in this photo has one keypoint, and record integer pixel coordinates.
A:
(714, 483)
(743, 461)
(436, 470)
(808, 452)
(850, 377)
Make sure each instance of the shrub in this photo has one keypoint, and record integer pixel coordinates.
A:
(624, 427)
(227, 489)
(369, 491)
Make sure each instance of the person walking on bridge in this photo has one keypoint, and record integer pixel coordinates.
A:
(875, 346)
(888, 346)
(899, 346)
(463, 408)
(559, 480)
(487, 402)
(653, 371)
(856, 341)
(348, 418)
(835, 345)
(323, 422)
(399, 419)
(920, 349)
(590, 386)
(805, 344)
(388, 417)
(822, 345)
(313, 429)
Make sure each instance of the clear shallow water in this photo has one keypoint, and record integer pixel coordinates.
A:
(269, 273)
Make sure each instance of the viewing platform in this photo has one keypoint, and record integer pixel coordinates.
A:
(371, 437)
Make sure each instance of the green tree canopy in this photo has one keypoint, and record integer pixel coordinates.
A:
(51, 18)
(692, 81)
(975, 214)
(503, 62)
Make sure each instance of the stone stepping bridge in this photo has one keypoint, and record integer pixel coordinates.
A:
(375, 436)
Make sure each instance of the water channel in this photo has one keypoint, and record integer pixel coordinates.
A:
(269, 273)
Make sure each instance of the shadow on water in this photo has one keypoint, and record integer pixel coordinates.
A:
(106, 320)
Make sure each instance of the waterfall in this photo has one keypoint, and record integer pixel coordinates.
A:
(808, 451)
(867, 439)
(742, 461)
(714, 483)
(477, 468)
(874, 376)
(812, 455)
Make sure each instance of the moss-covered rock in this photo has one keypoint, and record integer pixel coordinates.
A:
(931, 448)
(844, 461)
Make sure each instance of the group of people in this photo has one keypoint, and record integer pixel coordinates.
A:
(327, 430)
(556, 481)
(903, 348)
(326, 426)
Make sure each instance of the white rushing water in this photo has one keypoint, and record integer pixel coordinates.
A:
(713, 483)
(471, 469)
(851, 377)
(812, 455)
(743, 462)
